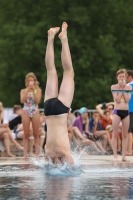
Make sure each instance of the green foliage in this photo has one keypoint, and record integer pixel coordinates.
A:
(100, 37)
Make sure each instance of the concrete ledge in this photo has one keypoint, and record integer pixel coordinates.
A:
(86, 160)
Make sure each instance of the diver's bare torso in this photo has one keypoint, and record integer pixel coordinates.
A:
(57, 136)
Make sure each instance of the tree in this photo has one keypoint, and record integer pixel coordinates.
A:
(100, 38)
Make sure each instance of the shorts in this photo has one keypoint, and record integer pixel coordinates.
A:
(130, 130)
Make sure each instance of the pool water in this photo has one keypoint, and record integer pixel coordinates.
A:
(91, 182)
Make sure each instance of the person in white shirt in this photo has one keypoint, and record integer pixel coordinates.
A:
(129, 79)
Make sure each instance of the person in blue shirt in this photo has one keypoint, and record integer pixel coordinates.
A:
(96, 128)
(130, 106)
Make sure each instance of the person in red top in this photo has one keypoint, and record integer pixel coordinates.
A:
(106, 121)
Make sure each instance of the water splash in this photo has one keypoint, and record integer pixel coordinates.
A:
(62, 169)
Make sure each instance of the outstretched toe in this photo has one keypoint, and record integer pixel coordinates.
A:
(64, 30)
(53, 31)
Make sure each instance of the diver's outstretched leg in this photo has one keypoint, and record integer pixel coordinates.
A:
(51, 90)
(67, 85)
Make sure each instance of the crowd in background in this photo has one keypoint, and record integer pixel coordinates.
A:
(95, 132)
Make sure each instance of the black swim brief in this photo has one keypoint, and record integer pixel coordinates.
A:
(121, 113)
(54, 107)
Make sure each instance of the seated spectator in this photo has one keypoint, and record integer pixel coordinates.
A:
(43, 120)
(4, 137)
(71, 117)
(5, 142)
(44, 125)
(6, 132)
(75, 135)
(96, 128)
(105, 106)
(18, 133)
(82, 123)
(106, 122)
(2, 147)
(15, 119)
(1, 113)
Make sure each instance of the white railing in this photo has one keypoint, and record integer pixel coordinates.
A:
(9, 111)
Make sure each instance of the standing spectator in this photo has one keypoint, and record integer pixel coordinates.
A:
(130, 105)
(121, 113)
(30, 97)
(15, 119)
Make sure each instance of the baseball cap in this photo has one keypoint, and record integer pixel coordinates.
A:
(82, 110)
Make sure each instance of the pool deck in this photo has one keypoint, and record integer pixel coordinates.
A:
(86, 160)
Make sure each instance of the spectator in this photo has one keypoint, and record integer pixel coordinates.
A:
(75, 135)
(121, 113)
(71, 117)
(106, 120)
(43, 120)
(5, 144)
(96, 128)
(106, 123)
(30, 97)
(42, 132)
(6, 136)
(18, 133)
(44, 125)
(130, 105)
(15, 119)
(82, 122)
(1, 113)
(105, 106)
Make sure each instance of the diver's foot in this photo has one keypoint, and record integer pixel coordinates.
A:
(52, 32)
(63, 33)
